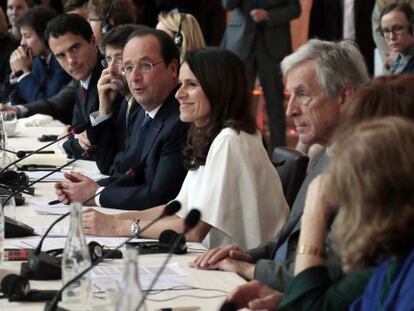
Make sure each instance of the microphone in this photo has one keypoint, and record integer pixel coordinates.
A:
(17, 288)
(22, 153)
(169, 210)
(79, 127)
(41, 265)
(193, 217)
(228, 306)
(19, 154)
(15, 228)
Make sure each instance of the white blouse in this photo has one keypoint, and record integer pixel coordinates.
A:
(237, 191)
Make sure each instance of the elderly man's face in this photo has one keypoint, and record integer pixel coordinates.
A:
(314, 114)
(150, 80)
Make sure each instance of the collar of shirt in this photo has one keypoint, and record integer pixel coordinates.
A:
(153, 112)
(85, 83)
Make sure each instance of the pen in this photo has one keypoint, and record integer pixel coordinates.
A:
(187, 308)
(54, 202)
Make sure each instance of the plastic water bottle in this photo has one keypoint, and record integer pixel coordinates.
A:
(130, 293)
(75, 259)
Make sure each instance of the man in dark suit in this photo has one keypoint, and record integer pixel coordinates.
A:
(327, 23)
(71, 40)
(150, 66)
(320, 78)
(259, 33)
(113, 121)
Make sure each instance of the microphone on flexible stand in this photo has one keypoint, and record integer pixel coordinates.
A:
(193, 217)
(80, 127)
(169, 210)
(14, 228)
(42, 266)
(22, 153)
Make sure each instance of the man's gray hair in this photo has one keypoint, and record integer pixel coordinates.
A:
(338, 64)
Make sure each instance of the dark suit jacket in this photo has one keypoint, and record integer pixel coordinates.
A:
(8, 44)
(242, 32)
(59, 106)
(81, 111)
(112, 130)
(43, 82)
(160, 172)
(277, 274)
(326, 23)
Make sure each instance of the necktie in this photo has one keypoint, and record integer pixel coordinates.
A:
(82, 94)
(143, 133)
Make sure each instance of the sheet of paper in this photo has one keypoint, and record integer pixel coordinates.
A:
(58, 176)
(43, 207)
(109, 277)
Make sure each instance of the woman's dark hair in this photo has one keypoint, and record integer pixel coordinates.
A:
(223, 78)
(37, 18)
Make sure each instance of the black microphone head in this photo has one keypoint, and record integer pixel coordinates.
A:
(192, 219)
(172, 208)
(15, 287)
(167, 236)
(79, 128)
(228, 306)
(20, 154)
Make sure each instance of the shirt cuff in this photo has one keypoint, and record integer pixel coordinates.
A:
(22, 110)
(98, 196)
(96, 118)
(22, 76)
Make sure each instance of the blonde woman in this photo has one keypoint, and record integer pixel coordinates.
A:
(184, 29)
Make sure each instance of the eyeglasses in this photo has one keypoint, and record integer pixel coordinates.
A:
(143, 67)
(396, 30)
(108, 61)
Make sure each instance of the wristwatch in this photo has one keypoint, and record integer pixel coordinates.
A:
(135, 229)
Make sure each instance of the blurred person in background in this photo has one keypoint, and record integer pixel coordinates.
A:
(8, 44)
(184, 29)
(397, 22)
(36, 73)
(15, 10)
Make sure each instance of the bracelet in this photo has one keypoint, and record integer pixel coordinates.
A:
(307, 249)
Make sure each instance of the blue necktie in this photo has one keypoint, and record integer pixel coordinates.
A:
(143, 131)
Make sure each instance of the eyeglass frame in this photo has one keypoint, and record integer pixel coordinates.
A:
(107, 63)
(140, 64)
(396, 30)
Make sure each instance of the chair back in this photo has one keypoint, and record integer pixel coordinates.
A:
(291, 165)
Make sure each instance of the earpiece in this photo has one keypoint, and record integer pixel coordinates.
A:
(168, 236)
(106, 25)
(96, 251)
(178, 36)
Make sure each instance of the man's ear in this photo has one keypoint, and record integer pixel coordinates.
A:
(174, 67)
(346, 93)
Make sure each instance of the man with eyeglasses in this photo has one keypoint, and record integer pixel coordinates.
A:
(397, 29)
(113, 121)
(154, 150)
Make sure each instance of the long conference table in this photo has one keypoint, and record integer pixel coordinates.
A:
(204, 290)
